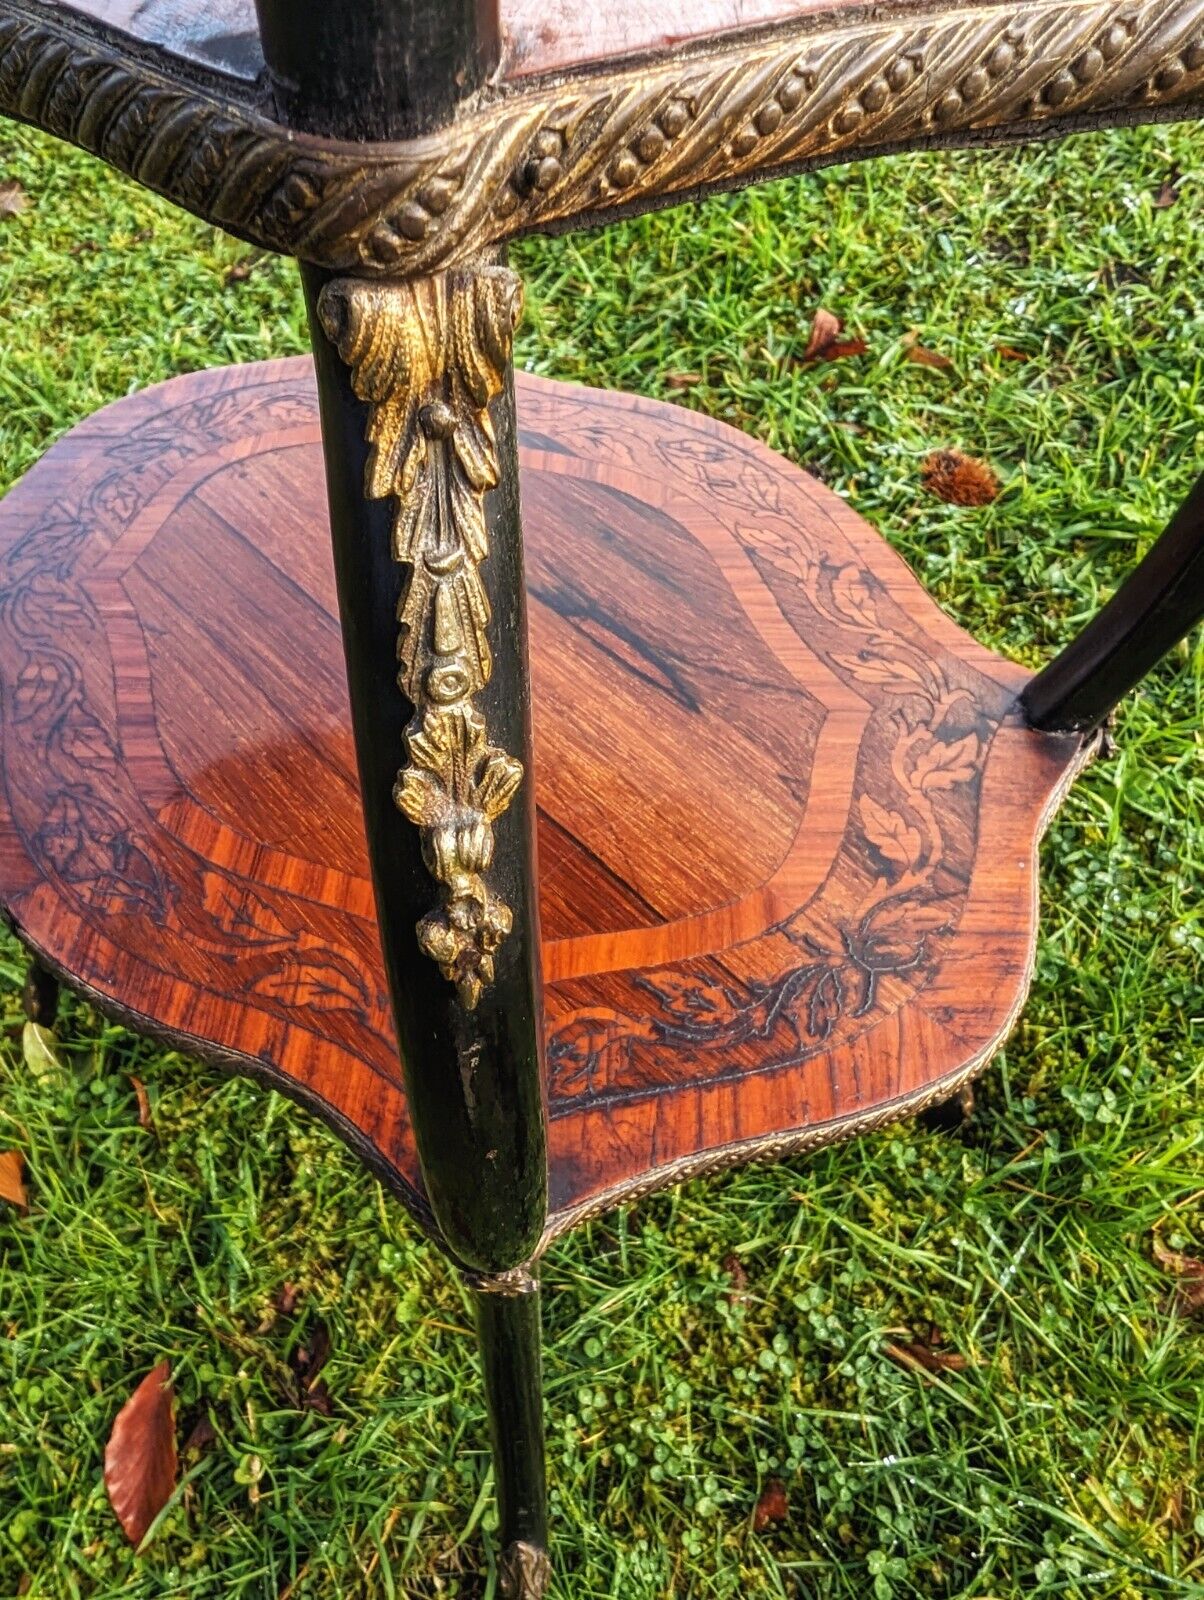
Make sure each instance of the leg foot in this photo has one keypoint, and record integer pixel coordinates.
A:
(524, 1571)
(508, 1324)
(40, 996)
(951, 1114)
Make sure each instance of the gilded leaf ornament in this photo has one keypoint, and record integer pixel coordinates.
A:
(428, 356)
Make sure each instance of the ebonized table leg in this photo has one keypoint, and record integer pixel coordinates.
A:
(417, 403)
(1158, 604)
(508, 1325)
(40, 996)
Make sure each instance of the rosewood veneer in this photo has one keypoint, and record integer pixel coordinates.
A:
(788, 812)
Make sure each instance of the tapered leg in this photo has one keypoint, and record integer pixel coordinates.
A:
(418, 425)
(509, 1329)
(1158, 604)
(415, 384)
(950, 1114)
(40, 996)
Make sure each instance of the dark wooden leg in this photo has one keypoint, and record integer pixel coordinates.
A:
(509, 1328)
(417, 403)
(950, 1114)
(40, 996)
(422, 468)
(1156, 606)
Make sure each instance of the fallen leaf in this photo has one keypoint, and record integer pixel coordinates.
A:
(924, 357)
(825, 343)
(958, 479)
(1188, 1298)
(145, 1120)
(140, 1457)
(1167, 195)
(926, 1358)
(317, 1398)
(682, 380)
(39, 1052)
(237, 272)
(772, 1506)
(13, 199)
(286, 1299)
(1010, 353)
(307, 1361)
(12, 1181)
(734, 1268)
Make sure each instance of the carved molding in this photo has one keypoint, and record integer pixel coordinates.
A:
(428, 356)
(607, 143)
(524, 1572)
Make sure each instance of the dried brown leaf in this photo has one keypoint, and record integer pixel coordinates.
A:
(238, 272)
(1009, 352)
(772, 1507)
(924, 357)
(1167, 195)
(307, 1361)
(145, 1120)
(1188, 1298)
(682, 380)
(843, 348)
(825, 329)
(958, 479)
(734, 1268)
(140, 1457)
(12, 1179)
(13, 199)
(925, 1357)
(825, 343)
(317, 1398)
(286, 1299)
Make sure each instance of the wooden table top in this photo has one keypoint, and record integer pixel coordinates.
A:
(538, 36)
(788, 812)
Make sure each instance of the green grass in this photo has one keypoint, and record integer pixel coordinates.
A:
(1066, 1459)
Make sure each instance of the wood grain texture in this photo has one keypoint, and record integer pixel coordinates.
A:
(788, 811)
(537, 36)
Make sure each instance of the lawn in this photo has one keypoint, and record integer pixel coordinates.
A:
(711, 1341)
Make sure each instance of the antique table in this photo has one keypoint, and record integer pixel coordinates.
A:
(787, 812)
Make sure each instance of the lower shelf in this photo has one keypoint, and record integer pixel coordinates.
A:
(788, 812)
